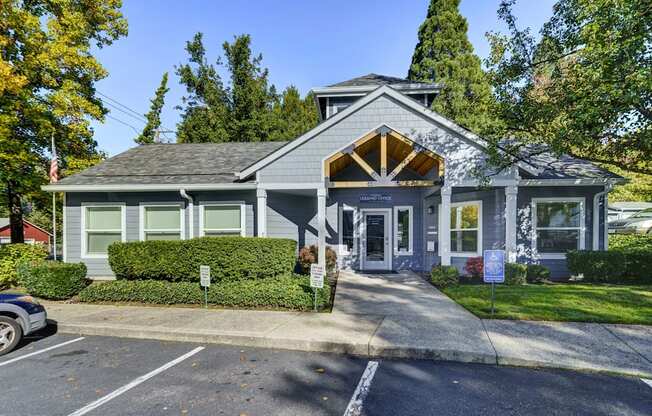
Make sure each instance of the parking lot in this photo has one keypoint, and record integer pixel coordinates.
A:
(55, 374)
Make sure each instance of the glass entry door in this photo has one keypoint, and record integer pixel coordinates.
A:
(375, 240)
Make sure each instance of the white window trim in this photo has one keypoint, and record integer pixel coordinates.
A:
(241, 204)
(477, 253)
(342, 247)
(123, 231)
(410, 250)
(581, 228)
(182, 218)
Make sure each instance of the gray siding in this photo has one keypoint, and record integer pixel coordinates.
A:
(99, 267)
(304, 164)
(557, 267)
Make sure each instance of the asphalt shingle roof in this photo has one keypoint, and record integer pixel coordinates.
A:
(196, 163)
(376, 79)
(568, 167)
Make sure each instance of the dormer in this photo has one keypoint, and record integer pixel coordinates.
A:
(334, 98)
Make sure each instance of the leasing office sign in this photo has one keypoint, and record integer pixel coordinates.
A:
(375, 198)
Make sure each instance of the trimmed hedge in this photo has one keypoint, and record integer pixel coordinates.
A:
(443, 276)
(286, 292)
(630, 241)
(598, 266)
(12, 255)
(515, 273)
(52, 279)
(536, 273)
(230, 258)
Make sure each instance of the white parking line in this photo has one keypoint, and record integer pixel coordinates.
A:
(647, 381)
(31, 354)
(99, 402)
(355, 405)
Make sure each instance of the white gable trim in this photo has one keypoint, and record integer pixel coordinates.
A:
(383, 90)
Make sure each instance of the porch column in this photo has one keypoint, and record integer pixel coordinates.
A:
(261, 210)
(321, 225)
(511, 194)
(445, 232)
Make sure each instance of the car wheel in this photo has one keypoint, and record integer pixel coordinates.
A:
(10, 334)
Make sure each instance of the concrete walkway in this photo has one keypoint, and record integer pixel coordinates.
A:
(388, 315)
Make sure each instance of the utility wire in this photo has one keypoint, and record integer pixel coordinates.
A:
(123, 122)
(141, 116)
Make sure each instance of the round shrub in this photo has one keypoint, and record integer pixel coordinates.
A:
(442, 276)
(310, 255)
(12, 255)
(537, 273)
(515, 273)
(53, 280)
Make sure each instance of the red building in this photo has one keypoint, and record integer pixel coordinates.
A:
(33, 234)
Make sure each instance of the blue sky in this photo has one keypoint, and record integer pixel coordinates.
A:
(304, 43)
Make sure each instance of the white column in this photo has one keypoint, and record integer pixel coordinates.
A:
(321, 225)
(261, 211)
(511, 194)
(605, 230)
(445, 232)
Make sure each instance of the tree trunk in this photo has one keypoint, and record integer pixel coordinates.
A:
(15, 214)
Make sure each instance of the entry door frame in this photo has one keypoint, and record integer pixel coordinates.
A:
(387, 212)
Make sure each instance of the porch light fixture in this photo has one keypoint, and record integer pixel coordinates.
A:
(431, 209)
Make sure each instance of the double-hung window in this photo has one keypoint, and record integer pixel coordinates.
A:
(558, 225)
(162, 222)
(347, 230)
(466, 228)
(223, 219)
(101, 226)
(403, 237)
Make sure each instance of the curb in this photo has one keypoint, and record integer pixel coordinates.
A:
(327, 346)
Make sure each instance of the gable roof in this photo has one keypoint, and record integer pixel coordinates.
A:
(568, 167)
(378, 92)
(172, 164)
(4, 222)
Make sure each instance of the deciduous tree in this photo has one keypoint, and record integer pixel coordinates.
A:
(47, 77)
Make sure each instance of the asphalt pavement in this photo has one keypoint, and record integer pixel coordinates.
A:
(56, 374)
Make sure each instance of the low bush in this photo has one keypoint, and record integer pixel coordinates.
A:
(310, 255)
(11, 255)
(536, 273)
(443, 276)
(283, 292)
(474, 267)
(597, 266)
(515, 273)
(230, 258)
(52, 279)
(630, 241)
(638, 265)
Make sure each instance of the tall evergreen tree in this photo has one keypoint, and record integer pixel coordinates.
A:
(293, 115)
(444, 55)
(151, 131)
(248, 109)
(205, 111)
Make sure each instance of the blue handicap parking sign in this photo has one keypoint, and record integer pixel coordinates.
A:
(494, 266)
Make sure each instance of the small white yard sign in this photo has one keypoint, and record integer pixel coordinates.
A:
(205, 276)
(317, 276)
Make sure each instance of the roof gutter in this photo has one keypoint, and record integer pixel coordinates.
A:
(149, 188)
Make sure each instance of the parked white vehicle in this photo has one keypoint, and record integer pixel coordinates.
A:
(639, 223)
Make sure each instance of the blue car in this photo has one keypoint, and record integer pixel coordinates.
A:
(20, 315)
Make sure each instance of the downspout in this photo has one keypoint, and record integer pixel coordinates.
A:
(596, 216)
(191, 216)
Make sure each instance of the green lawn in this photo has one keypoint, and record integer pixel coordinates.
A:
(559, 302)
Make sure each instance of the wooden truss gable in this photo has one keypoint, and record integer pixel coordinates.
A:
(391, 145)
